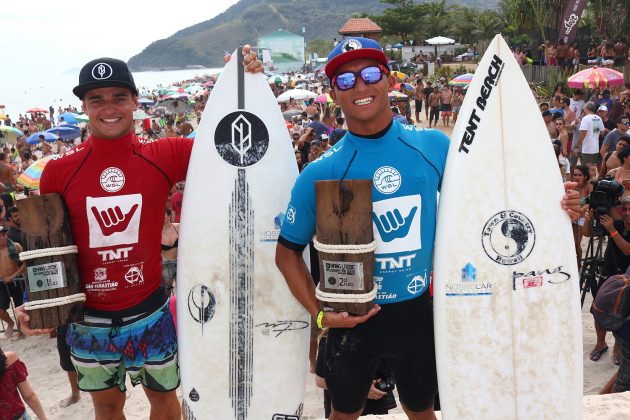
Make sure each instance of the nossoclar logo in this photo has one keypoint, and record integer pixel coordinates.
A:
(387, 179)
(112, 179)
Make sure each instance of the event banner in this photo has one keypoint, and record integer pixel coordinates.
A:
(568, 24)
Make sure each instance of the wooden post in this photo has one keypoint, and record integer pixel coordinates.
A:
(344, 217)
(45, 224)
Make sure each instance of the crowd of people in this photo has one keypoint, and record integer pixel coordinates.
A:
(589, 135)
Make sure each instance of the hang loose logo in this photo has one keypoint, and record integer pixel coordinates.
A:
(392, 225)
(112, 220)
(241, 136)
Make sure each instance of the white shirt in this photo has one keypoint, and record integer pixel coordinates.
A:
(592, 124)
(577, 107)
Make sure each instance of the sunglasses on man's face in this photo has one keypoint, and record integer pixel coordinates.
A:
(369, 75)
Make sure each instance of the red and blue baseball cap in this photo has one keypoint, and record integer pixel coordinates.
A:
(104, 72)
(351, 49)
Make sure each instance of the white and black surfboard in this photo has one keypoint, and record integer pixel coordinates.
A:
(507, 307)
(243, 338)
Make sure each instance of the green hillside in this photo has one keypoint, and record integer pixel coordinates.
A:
(205, 43)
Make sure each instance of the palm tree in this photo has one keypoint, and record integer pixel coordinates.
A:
(488, 25)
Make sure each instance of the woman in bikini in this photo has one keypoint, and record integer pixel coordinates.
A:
(170, 237)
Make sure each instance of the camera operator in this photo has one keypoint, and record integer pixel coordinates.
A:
(616, 261)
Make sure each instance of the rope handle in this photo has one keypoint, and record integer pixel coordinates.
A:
(344, 249)
(344, 298)
(58, 301)
(48, 252)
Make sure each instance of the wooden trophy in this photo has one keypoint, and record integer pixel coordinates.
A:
(53, 283)
(345, 244)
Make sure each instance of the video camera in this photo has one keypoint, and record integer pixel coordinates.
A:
(605, 195)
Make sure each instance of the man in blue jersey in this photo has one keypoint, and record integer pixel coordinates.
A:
(406, 165)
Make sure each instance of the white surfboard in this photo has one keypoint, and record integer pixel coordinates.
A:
(507, 304)
(243, 337)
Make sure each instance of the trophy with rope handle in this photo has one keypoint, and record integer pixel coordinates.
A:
(345, 244)
(53, 283)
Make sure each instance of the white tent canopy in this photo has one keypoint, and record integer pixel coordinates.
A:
(440, 40)
(296, 94)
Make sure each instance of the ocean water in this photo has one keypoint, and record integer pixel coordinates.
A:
(20, 91)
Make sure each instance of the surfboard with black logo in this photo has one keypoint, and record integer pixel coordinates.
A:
(243, 337)
(507, 306)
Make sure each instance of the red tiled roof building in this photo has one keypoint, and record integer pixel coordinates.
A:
(364, 27)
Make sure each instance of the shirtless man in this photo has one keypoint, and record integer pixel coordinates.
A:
(419, 93)
(8, 181)
(434, 105)
(445, 105)
(550, 124)
(10, 268)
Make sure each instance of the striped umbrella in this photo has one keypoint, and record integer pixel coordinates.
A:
(461, 80)
(596, 77)
(31, 176)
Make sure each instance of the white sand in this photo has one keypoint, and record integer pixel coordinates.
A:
(51, 383)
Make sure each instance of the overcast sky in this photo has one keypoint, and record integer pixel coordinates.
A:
(67, 34)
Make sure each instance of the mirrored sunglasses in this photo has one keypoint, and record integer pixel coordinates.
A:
(369, 75)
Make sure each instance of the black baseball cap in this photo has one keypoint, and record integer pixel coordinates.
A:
(3, 229)
(104, 72)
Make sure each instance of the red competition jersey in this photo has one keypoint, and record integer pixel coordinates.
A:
(116, 192)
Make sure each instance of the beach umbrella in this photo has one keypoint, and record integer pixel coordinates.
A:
(82, 118)
(192, 135)
(140, 115)
(31, 176)
(209, 83)
(398, 46)
(37, 111)
(296, 94)
(323, 98)
(174, 106)
(69, 117)
(146, 101)
(175, 95)
(404, 85)
(10, 134)
(290, 113)
(277, 78)
(193, 89)
(49, 137)
(10, 130)
(396, 95)
(596, 77)
(399, 74)
(461, 80)
(439, 40)
(66, 131)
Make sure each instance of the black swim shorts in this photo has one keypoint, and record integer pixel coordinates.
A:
(402, 334)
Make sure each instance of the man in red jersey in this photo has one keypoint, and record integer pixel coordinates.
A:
(116, 188)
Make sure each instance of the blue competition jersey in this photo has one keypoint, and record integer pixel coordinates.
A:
(406, 167)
